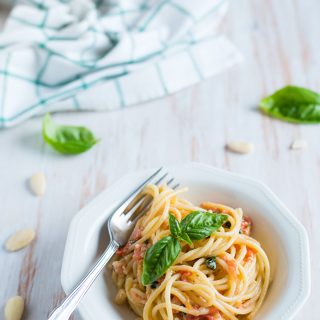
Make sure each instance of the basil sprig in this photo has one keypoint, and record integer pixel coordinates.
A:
(199, 225)
(177, 231)
(67, 139)
(195, 226)
(293, 104)
(174, 225)
(159, 258)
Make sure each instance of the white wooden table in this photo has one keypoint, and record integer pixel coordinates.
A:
(281, 43)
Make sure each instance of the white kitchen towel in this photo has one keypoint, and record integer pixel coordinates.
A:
(102, 55)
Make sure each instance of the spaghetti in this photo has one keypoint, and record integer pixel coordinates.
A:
(224, 276)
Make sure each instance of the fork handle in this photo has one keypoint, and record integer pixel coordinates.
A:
(69, 304)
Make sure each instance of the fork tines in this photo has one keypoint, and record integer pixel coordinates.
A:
(141, 203)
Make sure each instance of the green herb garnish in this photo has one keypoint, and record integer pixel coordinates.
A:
(199, 225)
(174, 225)
(211, 263)
(195, 226)
(177, 231)
(67, 139)
(159, 258)
(293, 104)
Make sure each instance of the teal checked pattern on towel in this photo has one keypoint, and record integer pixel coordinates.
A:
(103, 55)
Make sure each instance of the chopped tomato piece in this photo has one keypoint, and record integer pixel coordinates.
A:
(250, 254)
(213, 310)
(237, 246)
(246, 225)
(232, 266)
(139, 251)
(124, 250)
(136, 234)
(218, 316)
(175, 300)
(185, 275)
(202, 317)
(213, 314)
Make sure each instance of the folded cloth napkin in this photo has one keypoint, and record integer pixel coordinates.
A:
(103, 55)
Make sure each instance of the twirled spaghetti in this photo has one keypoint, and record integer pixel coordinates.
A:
(191, 289)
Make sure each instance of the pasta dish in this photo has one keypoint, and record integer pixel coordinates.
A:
(187, 262)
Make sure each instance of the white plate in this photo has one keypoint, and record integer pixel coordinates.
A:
(281, 235)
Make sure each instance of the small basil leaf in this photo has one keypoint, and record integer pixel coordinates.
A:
(211, 263)
(67, 139)
(184, 237)
(199, 224)
(293, 104)
(174, 225)
(159, 258)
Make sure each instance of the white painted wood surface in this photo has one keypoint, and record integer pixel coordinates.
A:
(281, 44)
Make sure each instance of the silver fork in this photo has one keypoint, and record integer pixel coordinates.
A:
(120, 225)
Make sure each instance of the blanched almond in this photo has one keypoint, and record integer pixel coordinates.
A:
(299, 144)
(14, 308)
(38, 184)
(20, 239)
(241, 147)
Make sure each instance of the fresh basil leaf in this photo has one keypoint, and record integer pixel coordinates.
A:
(211, 263)
(159, 258)
(175, 229)
(67, 139)
(174, 225)
(184, 237)
(200, 224)
(293, 104)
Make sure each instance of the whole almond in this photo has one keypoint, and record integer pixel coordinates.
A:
(241, 147)
(20, 239)
(38, 184)
(14, 308)
(299, 144)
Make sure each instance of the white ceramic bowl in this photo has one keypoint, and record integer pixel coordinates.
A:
(281, 235)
